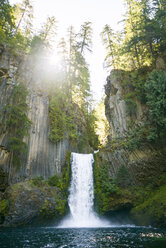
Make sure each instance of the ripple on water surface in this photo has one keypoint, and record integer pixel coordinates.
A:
(117, 237)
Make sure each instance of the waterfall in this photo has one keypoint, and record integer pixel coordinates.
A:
(81, 194)
(81, 191)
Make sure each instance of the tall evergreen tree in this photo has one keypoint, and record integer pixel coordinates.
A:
(24, 17)
(49, 30)
(85, 36)
(6, 20)
(107, 38)
(143, 38)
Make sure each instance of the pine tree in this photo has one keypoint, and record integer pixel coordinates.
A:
(159, 24)
(85, 36)
(49, 30)
(107, 38)
(25, 16)
(6, 20)
(45, 39)
(63, 53)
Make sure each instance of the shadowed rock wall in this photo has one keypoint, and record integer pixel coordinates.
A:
(43, 158)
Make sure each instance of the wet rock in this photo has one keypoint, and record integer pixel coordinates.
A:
(29, 205)
(43, 158)
(116, 110)
(3, 180)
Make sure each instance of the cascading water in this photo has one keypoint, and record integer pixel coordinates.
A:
(82, 194)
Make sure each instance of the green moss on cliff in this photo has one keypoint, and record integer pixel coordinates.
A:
(61, 184)
(62, 181)
(62, 116)
(150, 205)
(37, 200)
(146, 87)
(108, 195)
(30, 204)
(17, 122)
(144, 198)
(4, 207)
(69, 120)
(3, 180)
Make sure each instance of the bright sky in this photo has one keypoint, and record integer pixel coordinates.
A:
(75, 13)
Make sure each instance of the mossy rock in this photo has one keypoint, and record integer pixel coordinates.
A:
(152, 211)
(4, 206)
(29, 204)
(37, 201)
(3, 180)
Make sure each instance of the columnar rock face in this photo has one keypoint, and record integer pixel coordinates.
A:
(7, 82)
(120, 120)
(43, 158)
(116, 108)
(136, 165)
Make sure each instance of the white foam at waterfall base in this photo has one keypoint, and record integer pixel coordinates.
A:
(81, 194)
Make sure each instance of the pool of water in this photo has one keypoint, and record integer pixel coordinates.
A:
(124, 236)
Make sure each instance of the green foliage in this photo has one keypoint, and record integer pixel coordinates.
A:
(37, 181)
(152, 209)
(68, 119)
(72, 93)
(70, 102)
(136, 137)
(24, 16)
(85, 36)
(140, 82)
(131, 106)
(62, 116)
(101, 123)
(10, 32)
(104, 186)
(36, 44)
(4, 207)
(123, 178)
(149, 87)
(55, 190)
(133, 83)
(48, 31)
(78, 72)
(146, 199)
(62, 181)
(111, 41)
(61, 207)
(92, 137)
(55, 181)
(109, 196)
(142, 39)
(17, 121)
(7, 20)
(66, 172)
(155, 89)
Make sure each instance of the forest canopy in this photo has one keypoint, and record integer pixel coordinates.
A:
(142, 39)
(137, 50)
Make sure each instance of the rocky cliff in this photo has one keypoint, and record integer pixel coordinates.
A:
(116, 106)
(120, 119)
(129, 170)
(41, 180)
(126, 119)
(43, 158)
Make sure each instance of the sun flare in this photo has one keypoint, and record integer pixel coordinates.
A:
(54, 58)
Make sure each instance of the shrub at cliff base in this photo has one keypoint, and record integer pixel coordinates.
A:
(37, 201)
(152, 211)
